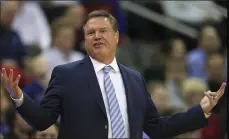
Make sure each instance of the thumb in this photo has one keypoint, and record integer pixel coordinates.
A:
(16, 82)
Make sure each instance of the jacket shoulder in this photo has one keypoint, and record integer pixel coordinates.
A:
(132, 72)
(67, 67)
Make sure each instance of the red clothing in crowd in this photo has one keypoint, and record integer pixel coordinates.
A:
(213, 130)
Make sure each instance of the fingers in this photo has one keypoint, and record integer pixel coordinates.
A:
(214, 94)
(4, 72)
(3, 76)
(208, 95)
(17, 80)
(211, 98)
(222, 87)
(5, 79)
(2, 81)
(11, 76)
(221, 91)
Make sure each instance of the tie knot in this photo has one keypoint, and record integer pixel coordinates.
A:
(107, 69)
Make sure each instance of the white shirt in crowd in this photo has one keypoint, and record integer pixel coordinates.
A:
(55, 57)
(32, 26)
(118, 84)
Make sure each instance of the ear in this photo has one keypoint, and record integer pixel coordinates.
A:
(117, 37)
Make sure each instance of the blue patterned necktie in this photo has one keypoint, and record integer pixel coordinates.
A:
(117, 124)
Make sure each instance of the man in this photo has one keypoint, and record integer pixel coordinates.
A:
(62, 51)
(209, 44)
(93, 103)
(12, 49)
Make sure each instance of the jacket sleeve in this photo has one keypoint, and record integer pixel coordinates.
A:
(44, 115)
(156, 126)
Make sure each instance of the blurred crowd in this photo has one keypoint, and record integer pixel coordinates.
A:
(36, 36)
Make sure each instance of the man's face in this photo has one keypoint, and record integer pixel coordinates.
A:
(216, 67)
(160, 97)
(73, 13)
(195, 98)
(178, 48)
(65, 39)
(176, 71)
(100, 38)
(210, 40)
(39, 69)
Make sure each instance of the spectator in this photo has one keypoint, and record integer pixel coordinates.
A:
(32, 25)
(74, 15)
(5, 105)
(19, 129)
(175, 73)
(62, 51)
(209, 43)
(38, 69)
(216, 74)
(71, 14)
(160, 95)
(178, 49)
(11, 46)
(192, 91)
(54, 9)
(216, 71)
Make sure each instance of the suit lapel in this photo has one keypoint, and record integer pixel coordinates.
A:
(92, 82)
(129, 98)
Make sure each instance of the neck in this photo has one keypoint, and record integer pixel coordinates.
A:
(66, 53)
(103, 60)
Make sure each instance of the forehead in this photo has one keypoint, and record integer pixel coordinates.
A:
(64, 30)
(209, 31)
(97, 23)
(215, 60)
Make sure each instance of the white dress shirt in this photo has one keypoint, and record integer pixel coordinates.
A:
(118, 84)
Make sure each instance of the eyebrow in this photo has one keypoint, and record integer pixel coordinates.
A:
(99, 28)
(104, 28)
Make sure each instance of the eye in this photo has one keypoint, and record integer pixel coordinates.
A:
(103, 31)
(90, 33)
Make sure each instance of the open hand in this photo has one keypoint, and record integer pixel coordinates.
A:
(211, 99)
(11, 86)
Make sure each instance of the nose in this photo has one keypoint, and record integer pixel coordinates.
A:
(97, 35)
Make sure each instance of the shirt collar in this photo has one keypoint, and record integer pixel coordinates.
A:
(99, 65)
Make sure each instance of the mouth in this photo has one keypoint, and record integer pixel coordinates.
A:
(98, 45)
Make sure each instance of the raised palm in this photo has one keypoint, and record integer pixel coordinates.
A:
(211, 99)
(11, 86)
